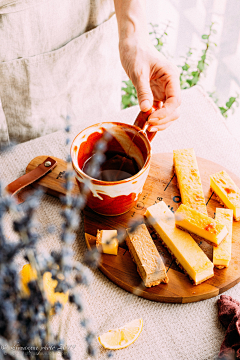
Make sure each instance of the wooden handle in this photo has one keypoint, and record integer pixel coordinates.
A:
(47, 165)
(53, 183)
(141, 121)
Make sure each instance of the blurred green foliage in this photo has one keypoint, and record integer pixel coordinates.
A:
(229, 105)
(190, 75)
(129, 98)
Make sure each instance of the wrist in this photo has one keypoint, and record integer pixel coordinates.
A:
(133, 30)
(136, 46)
(137, 39)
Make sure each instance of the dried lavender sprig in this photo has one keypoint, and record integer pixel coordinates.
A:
(30, 224)
(24, 227)
(45, 264)
(9, 289)
(73, 206)
(40, 267)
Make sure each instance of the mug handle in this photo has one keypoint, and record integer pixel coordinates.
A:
(141, 121)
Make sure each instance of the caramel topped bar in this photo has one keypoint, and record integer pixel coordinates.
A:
(201, 225)
(227, 191)
(189, 181)
(222, 253)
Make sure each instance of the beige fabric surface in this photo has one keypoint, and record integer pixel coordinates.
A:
(33, 27)
(54, 56)
(170, 331)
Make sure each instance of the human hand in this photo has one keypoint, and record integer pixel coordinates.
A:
(156, 80)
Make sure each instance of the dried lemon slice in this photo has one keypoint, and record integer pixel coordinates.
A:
(122, 337)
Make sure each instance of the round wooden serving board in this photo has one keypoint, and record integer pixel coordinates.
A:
(161, 185)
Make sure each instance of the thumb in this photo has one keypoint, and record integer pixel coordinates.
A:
(144, 94)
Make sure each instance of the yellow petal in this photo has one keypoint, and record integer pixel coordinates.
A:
(28, 274)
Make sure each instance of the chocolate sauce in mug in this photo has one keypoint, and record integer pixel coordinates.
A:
(117, 166)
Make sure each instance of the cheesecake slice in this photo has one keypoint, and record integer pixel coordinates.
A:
(189, 181)
(146, 256)
(201, 225)
(227, 192)
(222, 253)
(107, 241)
(188, 255)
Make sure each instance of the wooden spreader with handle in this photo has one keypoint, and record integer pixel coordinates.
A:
(43, 165)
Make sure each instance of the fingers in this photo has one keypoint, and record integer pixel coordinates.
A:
(168, 108)
(172, 93)
(157, 104)
(169, 112)
(144, 93)
(161, 124)
(159, 127)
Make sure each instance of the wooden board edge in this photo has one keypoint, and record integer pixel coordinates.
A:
(205, 296)
(228, 286)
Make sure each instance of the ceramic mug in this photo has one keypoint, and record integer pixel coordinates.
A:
(113, 197)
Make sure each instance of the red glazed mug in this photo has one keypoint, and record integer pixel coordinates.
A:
(114, 197)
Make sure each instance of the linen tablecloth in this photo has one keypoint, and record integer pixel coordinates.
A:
(170, 331)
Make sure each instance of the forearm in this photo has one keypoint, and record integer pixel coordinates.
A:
(154, 77)
(131, 20)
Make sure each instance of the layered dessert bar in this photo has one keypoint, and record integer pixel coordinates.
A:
(146, 256)
(188, 255)
(107, 241)
(222, 253)
(201, 225)
(227, 192)
(189, 181)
